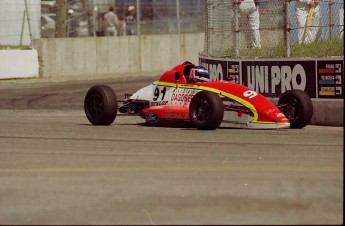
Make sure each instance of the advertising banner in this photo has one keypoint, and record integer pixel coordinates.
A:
(272, 78)
(330, 76)
(320, 78)
(233, 73)
(216, 68)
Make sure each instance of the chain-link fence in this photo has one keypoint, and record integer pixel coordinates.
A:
(273, 28)
(233, 28)
(86, 17)
(83, 18)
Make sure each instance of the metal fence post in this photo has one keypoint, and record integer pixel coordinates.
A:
(206, 22)
(331, 19)
(94, 15)
(287, 28)
(22, 31)
(29, 24)
(138, 17)
(178, 15)
(237, 31)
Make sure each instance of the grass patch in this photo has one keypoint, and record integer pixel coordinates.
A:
(8, 47)
(316, 49)
(319, 49)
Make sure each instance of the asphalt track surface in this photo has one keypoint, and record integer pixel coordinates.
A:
(56, 168)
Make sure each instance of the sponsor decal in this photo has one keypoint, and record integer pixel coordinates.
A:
(327, 80)
(327, 91)
(280, 115)
(272, 78)
(286, 77)
(159, 103)
(326, 70)
(329, 68)
(270, 111)
(216, 68)
(233, 74)
(215, 71)
(330, 79)
(174, 115)
(152, 117)
(327, 77)
(183, 95)
(222, 70)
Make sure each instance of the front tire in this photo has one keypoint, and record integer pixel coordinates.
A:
(100, 105)
(206, 110)
(297, 107)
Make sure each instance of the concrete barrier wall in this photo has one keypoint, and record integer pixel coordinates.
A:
(112, 55)
(18, 64)
(326, 112)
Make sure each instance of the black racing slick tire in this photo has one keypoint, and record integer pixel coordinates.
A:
(206, 110)
(297, 106)
(100, 105)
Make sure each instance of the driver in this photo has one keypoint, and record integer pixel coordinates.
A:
(198, 74)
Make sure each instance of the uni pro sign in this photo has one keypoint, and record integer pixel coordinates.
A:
(272, 78)
(222, 70)
(216, 68)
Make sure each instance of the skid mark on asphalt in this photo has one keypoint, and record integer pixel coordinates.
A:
(168, 169)
(168, 141)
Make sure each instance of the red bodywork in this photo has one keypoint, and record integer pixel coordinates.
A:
(253, 103)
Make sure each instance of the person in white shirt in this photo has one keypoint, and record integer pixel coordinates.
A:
(111, 22)
(250, 13)
(131, 20)
(307, 34)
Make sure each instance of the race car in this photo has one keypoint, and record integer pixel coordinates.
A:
(185, 95)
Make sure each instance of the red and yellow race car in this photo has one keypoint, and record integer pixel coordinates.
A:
(185, 95)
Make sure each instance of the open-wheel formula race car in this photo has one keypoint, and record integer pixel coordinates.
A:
(185, 95)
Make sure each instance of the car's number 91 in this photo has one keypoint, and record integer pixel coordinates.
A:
(157, 93)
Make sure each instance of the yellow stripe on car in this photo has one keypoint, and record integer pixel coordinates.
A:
(231, 96)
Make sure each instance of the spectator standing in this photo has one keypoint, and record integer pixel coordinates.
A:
(92, 21)
(122, 28)
(131, 20)
(307, 33)
(249, 11)
(73, 21)
(111, 22)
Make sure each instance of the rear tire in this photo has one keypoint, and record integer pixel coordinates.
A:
(297, 107)
(100, 105)
(206, 110)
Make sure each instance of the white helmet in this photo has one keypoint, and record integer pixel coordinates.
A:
(199, 74)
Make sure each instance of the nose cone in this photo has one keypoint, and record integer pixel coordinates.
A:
(280, 119)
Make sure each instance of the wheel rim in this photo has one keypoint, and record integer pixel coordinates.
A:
(202, 110)
(291, 109)
(95, 105)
